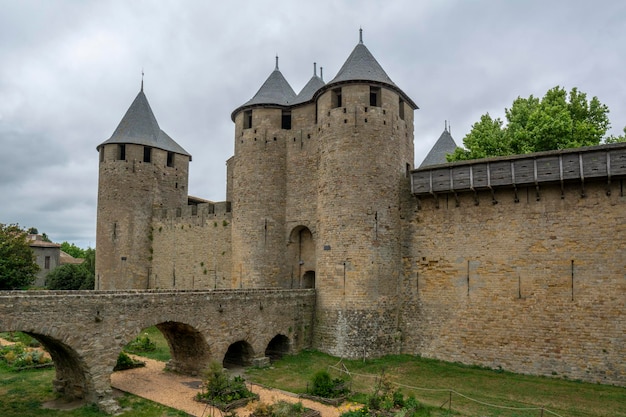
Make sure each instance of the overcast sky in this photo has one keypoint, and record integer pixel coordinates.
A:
(69, 70)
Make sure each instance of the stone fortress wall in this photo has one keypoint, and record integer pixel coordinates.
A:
(191, 247)
(322, 194)
(532, 287)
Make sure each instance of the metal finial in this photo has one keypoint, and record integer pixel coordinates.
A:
(360, 35)
(445, 125)
(450, 128)
(142, 80)
(314, 68)
(322, 73)
(276, 62)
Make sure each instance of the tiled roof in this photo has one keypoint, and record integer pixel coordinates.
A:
(140, 127)
(437, 155)
(66, 258)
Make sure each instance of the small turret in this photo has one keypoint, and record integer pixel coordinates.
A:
(262, 126)
(141, 167)
(445, 145)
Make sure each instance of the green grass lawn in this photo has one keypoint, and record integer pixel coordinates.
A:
(566, 398)
(23, 393)
(162, 351)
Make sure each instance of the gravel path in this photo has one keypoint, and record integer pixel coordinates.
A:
(178, 391)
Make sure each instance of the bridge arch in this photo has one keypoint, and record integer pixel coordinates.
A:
(188, 347)
(73, 379)
(240, 353)
(279, 346)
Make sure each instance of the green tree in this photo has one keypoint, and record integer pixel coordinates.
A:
(69, 277)
(74, 276)
(558, 121)
(616, 139)
(17, 260)
(72, 250)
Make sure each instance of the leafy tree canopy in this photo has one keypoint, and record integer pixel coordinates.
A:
(70, 277)
(557, 121)
(17, 260)
(72, 250)
(74, 276)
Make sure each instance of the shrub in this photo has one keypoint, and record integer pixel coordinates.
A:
(19, 357)
(126, 362)
(361, 412)
(220, 390)
(69, 277)
(280, 409)
(142, 343)
(325, 386)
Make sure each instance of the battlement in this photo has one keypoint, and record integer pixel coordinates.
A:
(597, 163)
(193, 211)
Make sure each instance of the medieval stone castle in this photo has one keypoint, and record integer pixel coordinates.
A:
(516, 262)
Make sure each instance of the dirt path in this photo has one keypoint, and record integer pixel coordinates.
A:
(178, 391)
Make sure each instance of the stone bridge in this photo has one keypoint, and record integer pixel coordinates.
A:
(84, 331)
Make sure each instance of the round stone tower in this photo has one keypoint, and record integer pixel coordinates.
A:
(262, 126)
(141, 169)
(366, 150)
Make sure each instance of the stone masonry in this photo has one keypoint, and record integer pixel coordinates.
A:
(515, 262)
(84, 331)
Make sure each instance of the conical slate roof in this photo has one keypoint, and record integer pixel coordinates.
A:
(274, 91)
(314, 84)
(140, 127)
(362, 66)
(437, 155)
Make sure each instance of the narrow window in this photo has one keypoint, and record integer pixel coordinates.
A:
(401, 108)
(247, 119)
(102, 154)
(121, 152)
(336, 98)
(147, 154)
(375, 96)
(286, 120)
(47, 262)
(170, 159)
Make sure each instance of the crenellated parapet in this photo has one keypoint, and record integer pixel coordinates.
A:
(193, 212)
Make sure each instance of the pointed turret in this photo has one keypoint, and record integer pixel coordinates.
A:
(362, 66)
(309, 90)
(444, 146)
(140, 127)
(141, 168)
(275, 91)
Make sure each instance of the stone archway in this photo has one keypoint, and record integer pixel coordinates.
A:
(72, 380)
(301, 257)
(277, 347)
(188, 348)
(238, 354)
